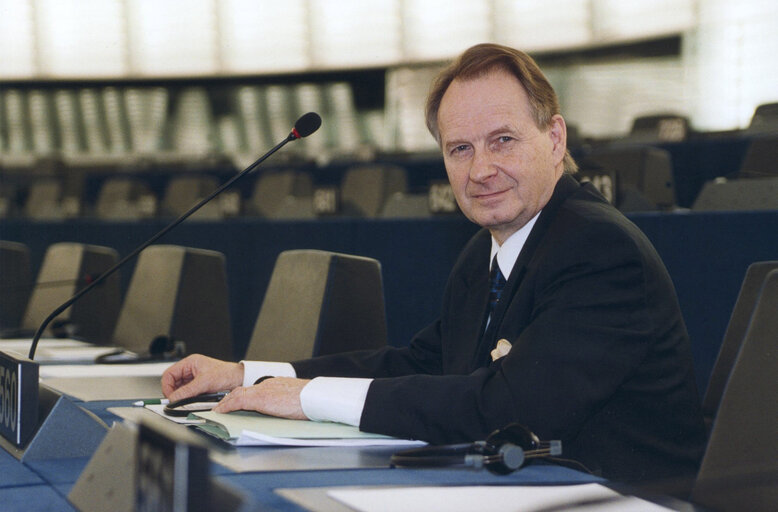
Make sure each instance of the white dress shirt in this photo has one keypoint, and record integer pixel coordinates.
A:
(342, 399)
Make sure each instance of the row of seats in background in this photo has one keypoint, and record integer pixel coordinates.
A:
(288, 193)
(637, 177)
(177, 302)
(635, 173)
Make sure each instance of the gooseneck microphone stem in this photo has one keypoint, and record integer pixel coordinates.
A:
(306, 125)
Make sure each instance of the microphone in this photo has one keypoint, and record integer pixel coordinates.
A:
(305, 126)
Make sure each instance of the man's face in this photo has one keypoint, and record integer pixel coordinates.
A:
(502, 168)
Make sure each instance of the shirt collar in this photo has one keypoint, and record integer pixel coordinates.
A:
(508, 252)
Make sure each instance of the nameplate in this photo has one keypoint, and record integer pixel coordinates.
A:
(441, 198)
(18, 398)
(326, 201)
(172, 470)
(604, 181)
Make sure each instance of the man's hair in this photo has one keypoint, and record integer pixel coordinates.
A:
(483, 59)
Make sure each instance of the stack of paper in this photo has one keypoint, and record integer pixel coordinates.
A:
(245, 428)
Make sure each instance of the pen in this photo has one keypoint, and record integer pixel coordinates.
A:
(152, 401)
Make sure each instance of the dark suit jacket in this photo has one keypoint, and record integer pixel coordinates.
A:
(600, 358)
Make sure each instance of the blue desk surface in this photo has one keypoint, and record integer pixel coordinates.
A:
(44, 484)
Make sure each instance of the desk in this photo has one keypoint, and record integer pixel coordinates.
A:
(706, 253)
(44, 484)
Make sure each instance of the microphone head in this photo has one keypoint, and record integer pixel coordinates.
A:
(306, 125)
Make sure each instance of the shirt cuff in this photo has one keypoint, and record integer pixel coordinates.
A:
(252, 370)
(335, 399)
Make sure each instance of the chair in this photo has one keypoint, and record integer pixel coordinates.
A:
(177, 294)
(271, 190)
(733, 337)
(45, 200)
(765, 119)
(296, 208)
(8, 199)
(643, 175)
(183, 192)
(402, 205)
(15, 283)
(738, 195)
(740, 468)
(761, 158)
(365, 189)
(125, 198)
(665, 127)
(67, 268)
(319, 303)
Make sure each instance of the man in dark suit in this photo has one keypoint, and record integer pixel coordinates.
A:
(583, 341)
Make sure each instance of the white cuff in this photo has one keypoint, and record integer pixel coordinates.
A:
(335, 399)
(252, 370)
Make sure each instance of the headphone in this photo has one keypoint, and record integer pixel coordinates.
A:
(503, 452)
(161, 348)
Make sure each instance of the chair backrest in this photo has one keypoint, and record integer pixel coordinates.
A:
(733, 337)
(183, 192)
(272, 188)
(294, 207)
(740, 468)
(67, 268)
(761, 158)
(15, 283)
(765, 118)
(319, 303)
(125, 198)
(365, 189)
(644, 176)
(401, 205)
(43, 200)
(659, 128)
(179, 293)
(741, 195)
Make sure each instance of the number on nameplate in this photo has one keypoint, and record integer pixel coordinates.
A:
(441, 198)
(326, 201)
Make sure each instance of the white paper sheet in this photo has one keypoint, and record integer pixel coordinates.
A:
(492, 499)
(104, 370)
(55, 349)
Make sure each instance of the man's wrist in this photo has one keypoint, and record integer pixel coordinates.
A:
(335, 399)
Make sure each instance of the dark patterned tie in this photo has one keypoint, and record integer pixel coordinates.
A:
(496, 284)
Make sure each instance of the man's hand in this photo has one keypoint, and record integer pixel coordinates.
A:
(198, 374)
(279, 396)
